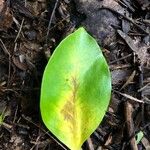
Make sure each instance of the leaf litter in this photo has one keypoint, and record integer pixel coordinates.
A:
(126, 51)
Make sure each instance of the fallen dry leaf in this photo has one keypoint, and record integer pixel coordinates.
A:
(6, 17)
(1, 5)
(140, 49)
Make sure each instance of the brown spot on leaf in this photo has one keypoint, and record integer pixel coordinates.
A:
(69, 109)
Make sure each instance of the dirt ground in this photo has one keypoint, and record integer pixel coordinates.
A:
(30, 30)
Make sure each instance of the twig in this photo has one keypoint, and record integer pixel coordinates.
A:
(50, 21)
(122, 58)
(129, 97)
(20, 25)
(44, 132)
(4, 48)
(58, 23)
(9, 58)
(131, 77)
(6, 125)
(140, 69)
(142, 88)
(120, 66)
(19, 30)
(15, 114)
(90, 144)
(129, 124)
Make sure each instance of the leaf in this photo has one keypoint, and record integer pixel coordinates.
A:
(76, 89)
(1, 119)
(140, 135)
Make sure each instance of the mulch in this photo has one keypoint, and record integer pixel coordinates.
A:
(30, 30)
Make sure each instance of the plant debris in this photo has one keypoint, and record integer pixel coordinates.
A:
(29, 32)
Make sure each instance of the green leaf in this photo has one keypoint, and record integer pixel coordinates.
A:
(76, 89)
(140, 135)
(1, 119)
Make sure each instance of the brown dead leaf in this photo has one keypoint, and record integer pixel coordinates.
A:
(6, 17)
(138, 47)
(20, 63)
(36, 7)
(1, 5)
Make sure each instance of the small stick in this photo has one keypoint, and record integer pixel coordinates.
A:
(122, 58)
(129, 97)
(22, 22)
(4, 48)
(19, 30)
(44, 131)
(50, 21)
(142, 88)
(90, 144)
(130, 79)
(9, 59)
(140, 68)
(130, 125)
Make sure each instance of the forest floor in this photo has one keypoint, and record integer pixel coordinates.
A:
(30, 30)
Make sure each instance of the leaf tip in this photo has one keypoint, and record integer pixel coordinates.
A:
(81, 29)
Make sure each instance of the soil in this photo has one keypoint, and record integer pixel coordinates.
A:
(30, 30)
